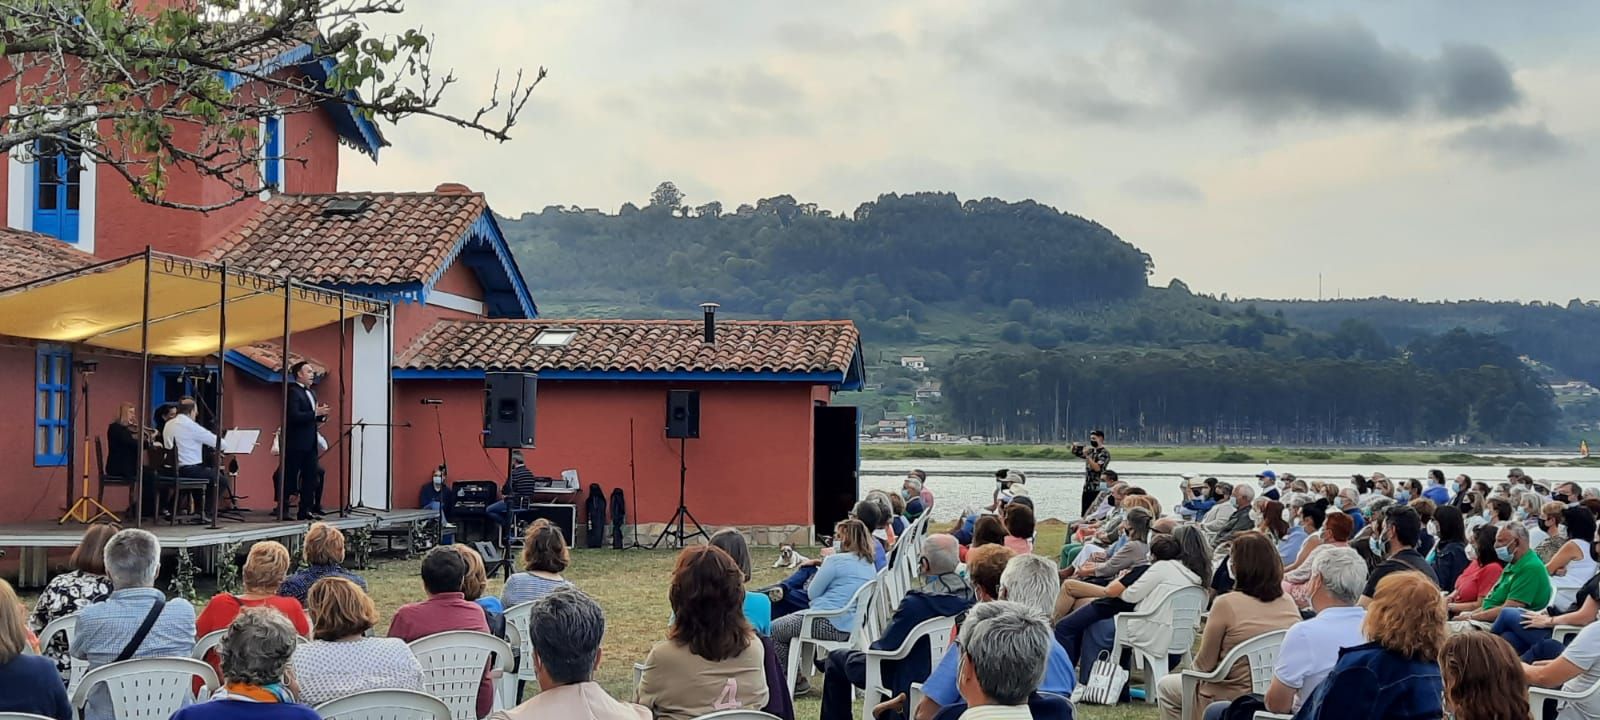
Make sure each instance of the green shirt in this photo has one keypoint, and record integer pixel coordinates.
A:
(1524, 581)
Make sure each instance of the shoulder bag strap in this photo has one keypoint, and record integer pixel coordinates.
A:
(144, 630)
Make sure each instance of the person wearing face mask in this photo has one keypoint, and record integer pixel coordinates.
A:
(437, 494)
(1437, 492)
(1482, 573)
(1096, 459)
(1523, 584)
(1574, 563)
(1243, 498)
(1396, 541)
(1461, 496)
(1567, 493)
(1269, 484)
(943, 594)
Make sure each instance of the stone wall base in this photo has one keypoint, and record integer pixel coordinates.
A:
(755, 535)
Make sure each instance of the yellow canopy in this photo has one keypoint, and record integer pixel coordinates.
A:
(103, 305)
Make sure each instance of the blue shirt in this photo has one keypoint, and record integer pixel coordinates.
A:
(758, 610)
(836, 582)
(297, 585)
(1289, 546)
(243, 710)
(105, 628)
(1439, 494)
(30, 684)
(1059, 677)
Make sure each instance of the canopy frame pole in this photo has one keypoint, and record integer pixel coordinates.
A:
(283, 429)
(144, 394)
(344, 416)
(222, 377)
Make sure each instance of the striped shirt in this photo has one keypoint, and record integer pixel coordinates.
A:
(105, 628)
(525, 587)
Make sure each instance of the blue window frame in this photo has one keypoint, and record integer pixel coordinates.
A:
(52, 405)
(272, 152)
(57, 190)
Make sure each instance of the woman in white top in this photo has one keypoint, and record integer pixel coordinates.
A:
(1182, 559)
(341, 660)
(1574, 563)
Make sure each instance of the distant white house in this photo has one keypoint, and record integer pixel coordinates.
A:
(931, 390)
(1575, 387)
(915, 362)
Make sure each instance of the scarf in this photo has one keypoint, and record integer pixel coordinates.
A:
(244, 692)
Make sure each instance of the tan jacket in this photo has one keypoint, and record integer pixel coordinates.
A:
(680, 685)
(584, 701)
(1235, 618)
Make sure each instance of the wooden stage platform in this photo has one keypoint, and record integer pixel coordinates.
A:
(33, 540)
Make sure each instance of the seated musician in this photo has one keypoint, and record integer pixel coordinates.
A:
(123, 451)
(183, 434)
(519, 487)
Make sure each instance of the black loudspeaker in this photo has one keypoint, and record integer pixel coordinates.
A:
(564, 517)
(683, 413)
(508, 409)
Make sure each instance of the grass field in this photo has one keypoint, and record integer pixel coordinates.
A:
(1214, 454)
(632, 587)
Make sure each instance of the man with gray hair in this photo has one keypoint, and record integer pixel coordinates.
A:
(1004, 646)
(567, 627)
(1243, 496)
(1523, 584)
(1030, 581)
(137, 621)
(1311, 648)
(944, 593)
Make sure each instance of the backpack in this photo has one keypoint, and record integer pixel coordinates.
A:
(594, 511)
(619, 517)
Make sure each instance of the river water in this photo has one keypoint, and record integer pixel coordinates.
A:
(1055, 485)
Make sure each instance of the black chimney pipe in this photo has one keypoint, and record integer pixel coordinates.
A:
(710, 309)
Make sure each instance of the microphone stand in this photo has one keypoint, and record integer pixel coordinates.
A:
(361, 447)
(438, 426)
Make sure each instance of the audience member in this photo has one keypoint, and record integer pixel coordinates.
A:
(1336, 531)
(1134, 550)
(1530, 632)
(1482, 679)
(1523, 584)
(1272, 524)
(1437, 492)
(544, 557)
(1197, 499)
(443, 573)
(1220, 513)
(1574, 563)
(1555, 533)
(1019, 528)
(986, 530)
(1396, 543)
(757, 606)
(1004, 650)
(1181, 560)
(340, 659)
(1575, 670)
(264, 570)
(255, 655)
(1425, 510)
(110, 631)
(1481, 575)
(28, 683)
(943, 594)
(1306, 535)
(324, 556)
(567, 627)
(1243, 497)
(474, 584)
(85, 584)
(712, 659)
(1269, 485)
(1450, 554)
(1311, 647)
(1396, 673)
(1258, 606)
(834, 584)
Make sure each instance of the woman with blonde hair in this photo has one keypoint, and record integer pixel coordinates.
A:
(72, 591)
(1396, 673)
(264, 570)
(836, 581)
(324, 554)
(1483, 678)
(28, 683)
(340, 659)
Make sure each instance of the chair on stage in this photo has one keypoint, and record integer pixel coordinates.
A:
(168, 481)
(113, 480)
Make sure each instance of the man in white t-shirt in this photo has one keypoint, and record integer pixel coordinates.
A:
(1576, 670)
(1311, 648)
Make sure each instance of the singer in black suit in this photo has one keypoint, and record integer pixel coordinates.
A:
(300, 444)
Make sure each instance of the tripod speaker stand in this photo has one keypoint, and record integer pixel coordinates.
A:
(683, 515)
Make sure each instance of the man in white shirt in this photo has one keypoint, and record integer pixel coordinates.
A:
(1004, 646)
(1311, 648)
(183, 434)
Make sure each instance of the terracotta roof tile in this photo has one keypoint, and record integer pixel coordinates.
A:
(635, 345)
(270, 355)
(397, 238)
(27, 256)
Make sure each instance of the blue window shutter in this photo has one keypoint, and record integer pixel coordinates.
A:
(57, 177)
(272, 152)
(52, 405)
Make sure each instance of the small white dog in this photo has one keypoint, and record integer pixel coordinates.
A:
(788, 557)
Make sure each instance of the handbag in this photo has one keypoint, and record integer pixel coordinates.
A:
(1106, 680)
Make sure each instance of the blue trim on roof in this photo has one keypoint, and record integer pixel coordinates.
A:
(352, 124)
(232, 80)
(855, 376)
(834, 379)
(252, 368)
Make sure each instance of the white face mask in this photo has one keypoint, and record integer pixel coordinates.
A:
(438, 480)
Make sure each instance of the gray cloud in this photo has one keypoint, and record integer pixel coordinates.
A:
(749, 100)
(1511, 145)
(1162, 189)
(1074, 97)
(1472, 80)
(819, 38)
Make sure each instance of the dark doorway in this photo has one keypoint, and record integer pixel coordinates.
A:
(835, 465)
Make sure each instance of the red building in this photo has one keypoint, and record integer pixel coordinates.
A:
(772, 453)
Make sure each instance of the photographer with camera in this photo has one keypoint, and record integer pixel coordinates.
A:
(1096, 458)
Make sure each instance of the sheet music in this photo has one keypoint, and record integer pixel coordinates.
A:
(240, 441)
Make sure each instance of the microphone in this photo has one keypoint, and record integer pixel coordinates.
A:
(432, 401)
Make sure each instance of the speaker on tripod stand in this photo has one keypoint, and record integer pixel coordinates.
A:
(683, 422)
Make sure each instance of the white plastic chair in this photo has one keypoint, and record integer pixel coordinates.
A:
(1261, 652)
(65, 625)
(520, 637)
(145, 688)
(806, 643)
(1561, 633)
(1185, 604)
(1537, 696)
(936, 630)
(23, 716)
(208, 643)
(454, 663)
(385, 705)
(738, 715)
(1264, 715)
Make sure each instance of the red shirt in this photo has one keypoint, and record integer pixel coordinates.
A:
(442, 613)
(221, 611)
(1477, 580)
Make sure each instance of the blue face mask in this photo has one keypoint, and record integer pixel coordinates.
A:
(1504, 553)
(1377, 547)
(1404, 496)
(838, 546)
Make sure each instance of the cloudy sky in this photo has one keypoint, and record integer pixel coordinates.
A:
(1416, 148)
